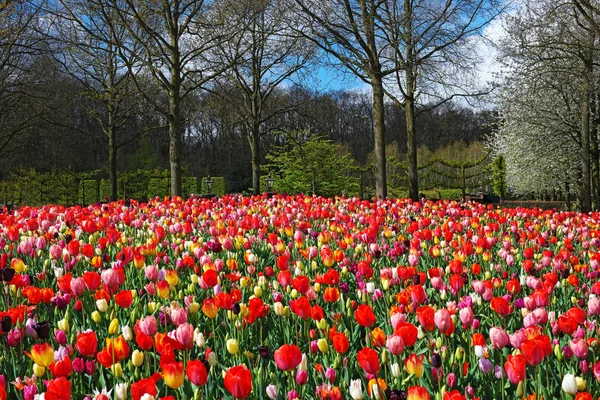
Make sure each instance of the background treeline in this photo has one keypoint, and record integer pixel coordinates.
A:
(102, 91)
(62, 135)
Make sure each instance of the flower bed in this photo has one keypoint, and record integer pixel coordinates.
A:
(298, 297)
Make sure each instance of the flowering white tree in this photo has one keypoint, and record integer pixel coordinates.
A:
(545, 99)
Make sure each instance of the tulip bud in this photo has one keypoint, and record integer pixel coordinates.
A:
(580, 383)
(459, 353)
(232, 346)
(96, 317)
(152, 307)
(137, 358)
(258, 292)
(127, 333)
(117, 370)
(63, 325)
(102, 305)
(113, 328)
(396, 370)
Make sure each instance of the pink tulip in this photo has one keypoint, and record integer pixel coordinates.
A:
(579, 348)
(466, 317)
(179, 316)
(185, 335)
(148, 325)
(498, 338)
(593, 306)
(395, 344)
(442, 320)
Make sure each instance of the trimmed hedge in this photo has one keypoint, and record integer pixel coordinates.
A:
(64, 187)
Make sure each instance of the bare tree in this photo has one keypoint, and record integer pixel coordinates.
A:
(84, 43)
(19, 47)
(432, 49)
(272, 54)
(354, 35)
(171, 43)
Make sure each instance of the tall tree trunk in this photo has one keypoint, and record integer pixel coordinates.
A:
(586, 202)
(411, 144)
(175, 142)
(379, 137)
(112, 157)
(409, 104)
(255, 149)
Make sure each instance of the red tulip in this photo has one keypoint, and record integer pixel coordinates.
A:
(238, 381)
(425, 315)
(301, 307)
(61, 368)
(340, 342)
(368, 360)
(196, 372)
(408, 332)
(534, 350)
(364, 315)
(417, 393)
(454, 395)
(172, 373)
(124, 298)
(145, 386)
(515, 368)
(287, 357)
(501, 306)
(58, 389)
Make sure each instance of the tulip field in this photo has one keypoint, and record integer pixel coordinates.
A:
(298, 297)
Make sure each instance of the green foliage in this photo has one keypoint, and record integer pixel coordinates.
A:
(316, 165)
(499, 169)
(27, 186)
(89, 191)
(159, 187)
(144, 158)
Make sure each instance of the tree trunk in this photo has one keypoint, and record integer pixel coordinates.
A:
(586, 203)
(175, 142)
(379, 138)
(255, 149)
(112, 158)
(411, 144)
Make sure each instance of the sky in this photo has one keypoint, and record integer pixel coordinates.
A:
(487, 69)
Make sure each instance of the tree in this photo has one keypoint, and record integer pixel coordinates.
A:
(550, 53)
(312, 164)
(85, 41)
(352, 32)
(171, 43)
(263, 56)
(431, 48)
(19, 48)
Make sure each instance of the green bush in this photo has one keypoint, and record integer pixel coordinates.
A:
(159, 187)
(89, 191)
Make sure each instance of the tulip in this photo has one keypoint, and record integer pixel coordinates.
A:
(417, 393)
(356, 391)
(569, 385)
(288, 357)
(232, 346)
(499, 338)
(238, 381)
(42, 354)
(196, 372)
(414, 365)
(368, 360)
(272, 392)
